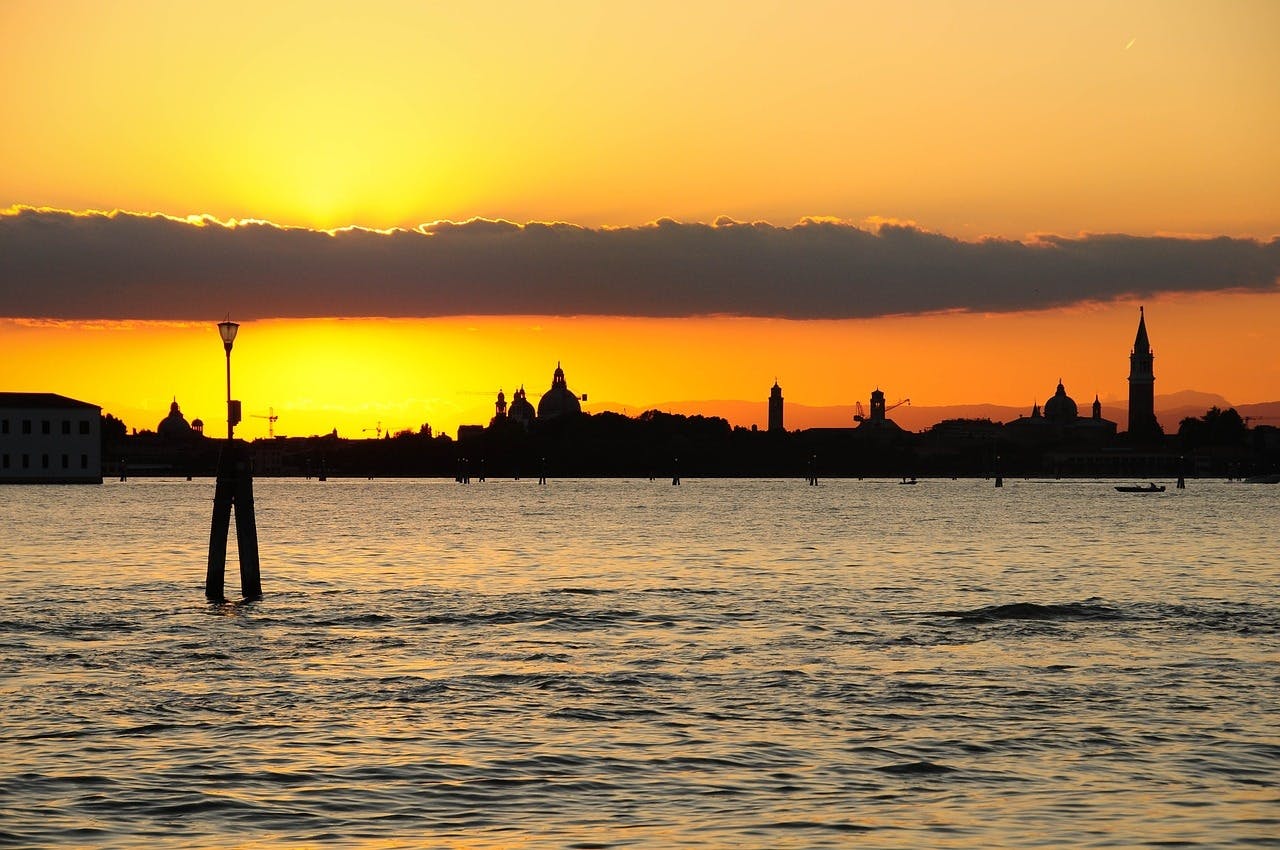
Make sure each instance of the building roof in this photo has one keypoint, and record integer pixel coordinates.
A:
(44, 400)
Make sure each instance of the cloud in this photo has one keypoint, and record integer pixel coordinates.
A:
(64, 265)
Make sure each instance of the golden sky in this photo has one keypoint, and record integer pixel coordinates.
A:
(970, 118)
(360, 374)
(978, 119)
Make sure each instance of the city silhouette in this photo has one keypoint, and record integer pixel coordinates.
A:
(556, 438)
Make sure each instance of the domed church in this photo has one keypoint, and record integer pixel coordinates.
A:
(559, 400)
(521, 410)
(1061, 408)
(174, 426)
(1061, 420)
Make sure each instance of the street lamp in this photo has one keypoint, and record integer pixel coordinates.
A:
(227, 330)
(233, 490)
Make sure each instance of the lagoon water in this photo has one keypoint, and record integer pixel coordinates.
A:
(594, 664)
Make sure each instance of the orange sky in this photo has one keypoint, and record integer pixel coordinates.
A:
(971, 118)
(995, 118)
(358, 374)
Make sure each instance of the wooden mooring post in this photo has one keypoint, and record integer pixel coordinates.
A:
(234, 489)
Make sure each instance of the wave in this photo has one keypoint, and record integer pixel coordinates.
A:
(1089, 610)
(916, 768)
(1243, 618)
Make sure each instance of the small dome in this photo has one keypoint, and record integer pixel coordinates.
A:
(520, 409)
(1061, 408)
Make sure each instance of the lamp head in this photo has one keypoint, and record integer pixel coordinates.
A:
(227, 330)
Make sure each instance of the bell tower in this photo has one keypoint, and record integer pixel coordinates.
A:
(775, 407)
(877, 405)
(1142, 385)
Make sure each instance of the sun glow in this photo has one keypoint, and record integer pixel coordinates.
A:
(972, 123)
(356, 375)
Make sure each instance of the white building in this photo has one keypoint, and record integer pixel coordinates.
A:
(49, 439)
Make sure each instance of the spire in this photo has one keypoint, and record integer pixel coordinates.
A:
(1141, 345)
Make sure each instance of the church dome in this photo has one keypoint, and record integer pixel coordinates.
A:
(1061, 408)
(520, 410)
(559, 400)
(175, 424)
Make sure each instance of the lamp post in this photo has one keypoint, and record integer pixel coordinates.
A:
(227, 330)
(234, 490)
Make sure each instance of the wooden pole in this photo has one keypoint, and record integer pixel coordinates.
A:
(234, 489)
(223, 496)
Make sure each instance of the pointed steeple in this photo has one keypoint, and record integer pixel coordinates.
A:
(1141, 345)
(1142, 378)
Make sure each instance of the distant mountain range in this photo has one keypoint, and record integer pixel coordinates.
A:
(1171, 409)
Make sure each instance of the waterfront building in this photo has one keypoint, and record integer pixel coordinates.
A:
(1061, 421)
(49, 439)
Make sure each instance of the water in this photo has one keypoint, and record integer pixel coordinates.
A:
(597, 664)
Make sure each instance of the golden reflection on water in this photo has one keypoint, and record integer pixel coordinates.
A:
(613, 663)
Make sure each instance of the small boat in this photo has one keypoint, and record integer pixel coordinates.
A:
(1263, 479)
(1140, 488)
(907, 481)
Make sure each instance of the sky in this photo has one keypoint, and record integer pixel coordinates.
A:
(413, 205)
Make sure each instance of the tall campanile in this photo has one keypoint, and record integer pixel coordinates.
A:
(775, 408)
(1142, 385)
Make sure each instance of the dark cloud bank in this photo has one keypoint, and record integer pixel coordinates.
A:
(56, 264)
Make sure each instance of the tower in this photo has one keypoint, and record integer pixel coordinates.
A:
(1142, 385)
(877, 405)
(775, 407)
(499, 410)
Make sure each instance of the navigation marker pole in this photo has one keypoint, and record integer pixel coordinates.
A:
(234, 489)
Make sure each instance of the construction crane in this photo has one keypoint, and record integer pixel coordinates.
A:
(860, 413)
(271, 421)
(377, 430)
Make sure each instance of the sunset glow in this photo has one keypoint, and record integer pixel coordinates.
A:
(356, 375)
(1001, 119)
(1004, 120)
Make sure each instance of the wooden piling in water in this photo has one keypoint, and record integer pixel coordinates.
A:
(234, 489)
